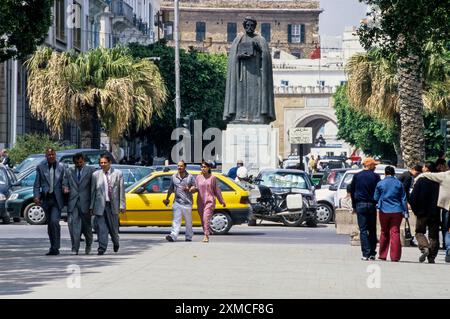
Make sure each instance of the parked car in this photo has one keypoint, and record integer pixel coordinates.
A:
(340, 189)
(145, 207)
(325, 197)
(317, 178)
(7, 182)
(294, 181)
(65, 157)
(20, 202)
(328, 164)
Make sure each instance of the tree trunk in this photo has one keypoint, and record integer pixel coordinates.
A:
(397, 147)
(115, 148)
(412, 140)
(398, 152)
(90, 136)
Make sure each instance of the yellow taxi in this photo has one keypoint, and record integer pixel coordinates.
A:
(145, 207)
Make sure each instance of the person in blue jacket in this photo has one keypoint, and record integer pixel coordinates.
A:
(391, 203)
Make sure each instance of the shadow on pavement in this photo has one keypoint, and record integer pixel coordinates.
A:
(24, 265)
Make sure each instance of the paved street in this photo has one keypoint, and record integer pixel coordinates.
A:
(266, 261)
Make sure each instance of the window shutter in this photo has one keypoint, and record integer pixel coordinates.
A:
(200, 31)
(302, 34)
(265, 31)
(289, 33)
(231, 31)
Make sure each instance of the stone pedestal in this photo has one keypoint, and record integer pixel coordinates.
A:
(255, 144)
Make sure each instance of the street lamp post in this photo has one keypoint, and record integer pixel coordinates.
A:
(177, 64)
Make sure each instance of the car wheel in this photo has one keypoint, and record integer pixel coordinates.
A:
(292, 220)
(324, 213)
(220, 223)
(34, 214)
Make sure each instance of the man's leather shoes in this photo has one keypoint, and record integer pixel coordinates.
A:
(116, 248)
(100, 252)
(87, 250)
(74, 252)
(52, 253)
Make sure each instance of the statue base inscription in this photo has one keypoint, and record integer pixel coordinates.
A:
(255, 144)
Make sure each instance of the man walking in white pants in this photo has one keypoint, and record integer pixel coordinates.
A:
(183, 185)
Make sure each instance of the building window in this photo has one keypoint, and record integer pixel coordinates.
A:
(277, 54)
(296, 33)
(60, 18)
(231, 31)
(200, 30)
(76, 31)
(284, 83)
(265, 31)
(168, 30)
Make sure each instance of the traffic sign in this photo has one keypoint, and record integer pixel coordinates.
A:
(300, 135)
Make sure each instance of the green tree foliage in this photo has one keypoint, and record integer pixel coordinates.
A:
(405, 26)
(377, 137)
(202, 89)
(374, 137)
(23, 25)
(434, 140)
(34, 144)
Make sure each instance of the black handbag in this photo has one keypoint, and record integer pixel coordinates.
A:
(408, 235)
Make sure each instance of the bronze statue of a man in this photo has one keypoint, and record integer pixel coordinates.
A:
(249, 88)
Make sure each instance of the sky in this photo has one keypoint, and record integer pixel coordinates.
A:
(338, 14)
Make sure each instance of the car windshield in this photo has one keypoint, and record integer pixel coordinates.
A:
(348, 178)
(29, 162)
(332, 177)
(132, 175)
(283, 180)
(3, 177)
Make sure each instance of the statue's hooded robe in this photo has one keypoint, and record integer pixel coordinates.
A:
(249, 88)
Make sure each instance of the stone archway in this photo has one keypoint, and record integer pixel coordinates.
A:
(315, 120)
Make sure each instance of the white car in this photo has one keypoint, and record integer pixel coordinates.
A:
(341, 188)
(325, 196)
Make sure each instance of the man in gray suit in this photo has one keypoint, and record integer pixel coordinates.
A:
(107, 200)
(77, 183)
(48, 193)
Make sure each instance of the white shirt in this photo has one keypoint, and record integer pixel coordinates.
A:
(105, 180)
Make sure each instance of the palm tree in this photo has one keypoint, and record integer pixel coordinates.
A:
(396, 93)
(105, 85)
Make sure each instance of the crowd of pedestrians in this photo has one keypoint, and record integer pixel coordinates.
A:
(424, 191)
(98, 193)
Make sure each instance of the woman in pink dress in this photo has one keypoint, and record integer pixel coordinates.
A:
(208, 190)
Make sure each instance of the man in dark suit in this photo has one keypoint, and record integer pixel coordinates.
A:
(48, 193)
(107, 201)
(77, 183)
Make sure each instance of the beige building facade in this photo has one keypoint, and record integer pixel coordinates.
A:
(211, 25)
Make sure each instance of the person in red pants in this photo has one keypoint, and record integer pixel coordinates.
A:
(391, 198)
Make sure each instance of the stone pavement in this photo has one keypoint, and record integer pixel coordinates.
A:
(159, 269)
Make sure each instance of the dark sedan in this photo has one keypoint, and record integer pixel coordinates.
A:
(7, 185)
